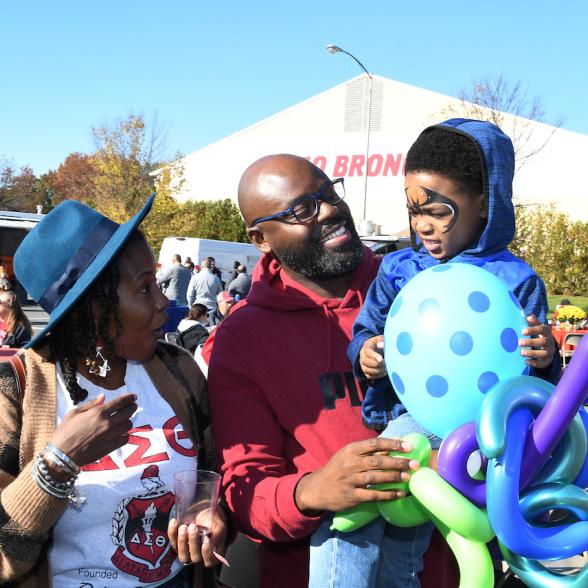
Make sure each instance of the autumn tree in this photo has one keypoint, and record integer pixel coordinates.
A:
(166, 217)
(127, 151)
(510, 107)
(18, 191)
(74, 179)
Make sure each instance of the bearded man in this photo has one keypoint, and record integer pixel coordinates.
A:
(286, 408)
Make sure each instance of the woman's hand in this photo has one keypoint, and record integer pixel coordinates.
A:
(94, 429)
(371, 358)
(192, 548)
(541, 342)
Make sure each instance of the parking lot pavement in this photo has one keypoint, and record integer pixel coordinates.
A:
(38, 317)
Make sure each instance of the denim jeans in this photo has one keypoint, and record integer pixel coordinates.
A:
(376, 556)
(181, 580)
(404, 424)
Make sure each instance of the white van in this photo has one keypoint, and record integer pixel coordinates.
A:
(225, 253)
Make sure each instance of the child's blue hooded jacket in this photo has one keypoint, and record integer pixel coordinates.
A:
(490, 252)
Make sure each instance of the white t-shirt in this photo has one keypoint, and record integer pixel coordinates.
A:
(118, 537)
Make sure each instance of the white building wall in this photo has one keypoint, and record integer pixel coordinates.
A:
(331, 130)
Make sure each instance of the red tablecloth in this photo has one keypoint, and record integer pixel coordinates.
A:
(559, 335)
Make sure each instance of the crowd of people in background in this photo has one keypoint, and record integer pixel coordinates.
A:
(207, 297)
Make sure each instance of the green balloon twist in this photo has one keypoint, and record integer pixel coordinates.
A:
(398, 512)
(430, 491)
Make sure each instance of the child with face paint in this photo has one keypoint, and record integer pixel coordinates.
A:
(458, 190)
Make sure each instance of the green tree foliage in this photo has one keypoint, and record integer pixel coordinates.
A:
(205, 219)
(219, 219)
(555, 247)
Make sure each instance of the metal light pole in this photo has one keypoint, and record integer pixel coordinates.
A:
(334, 49)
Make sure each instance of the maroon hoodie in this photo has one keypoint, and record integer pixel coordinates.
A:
(283, 401)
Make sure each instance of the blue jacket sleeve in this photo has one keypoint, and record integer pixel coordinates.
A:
(533, 298)
(372, 316)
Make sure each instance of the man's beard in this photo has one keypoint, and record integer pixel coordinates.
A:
(320, 263)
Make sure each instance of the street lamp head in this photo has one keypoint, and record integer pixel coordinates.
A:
(333, 49)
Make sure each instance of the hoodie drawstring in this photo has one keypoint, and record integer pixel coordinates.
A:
(328, 331)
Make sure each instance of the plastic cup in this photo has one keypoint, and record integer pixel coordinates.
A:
(196, 498)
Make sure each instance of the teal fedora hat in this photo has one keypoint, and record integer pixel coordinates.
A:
(66, 252)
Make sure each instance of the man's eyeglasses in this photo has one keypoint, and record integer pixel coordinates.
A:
(307, 207)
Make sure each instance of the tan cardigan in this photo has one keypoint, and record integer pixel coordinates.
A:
(27, 513)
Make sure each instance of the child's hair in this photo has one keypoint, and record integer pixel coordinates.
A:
(449, 154)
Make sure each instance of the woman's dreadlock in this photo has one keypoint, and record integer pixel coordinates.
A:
(77, 334)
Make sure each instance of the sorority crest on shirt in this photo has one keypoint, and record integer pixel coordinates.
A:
(139, 530)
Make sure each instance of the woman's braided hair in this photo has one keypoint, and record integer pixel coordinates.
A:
(76, 335)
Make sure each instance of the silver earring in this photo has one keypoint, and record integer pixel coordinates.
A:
(101, 370)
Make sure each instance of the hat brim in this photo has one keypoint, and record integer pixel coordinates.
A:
(93, 271)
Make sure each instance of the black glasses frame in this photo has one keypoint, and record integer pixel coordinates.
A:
(321, 195)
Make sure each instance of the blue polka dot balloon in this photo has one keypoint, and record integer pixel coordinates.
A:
(451, 334)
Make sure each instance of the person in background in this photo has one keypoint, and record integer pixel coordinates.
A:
(241, 284)
(197, 315)
(5, 284)
(79, 496)
(174, 281)
(225, 302)
(194, 329)
(15, 327)
(189, 266)
(234, 273)
(215, 271)
(204, 287)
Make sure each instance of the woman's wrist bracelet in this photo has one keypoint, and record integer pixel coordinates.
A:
(41, 475)
(63, 460)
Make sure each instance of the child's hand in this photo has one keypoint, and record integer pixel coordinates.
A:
(371, 358)
(541, 342)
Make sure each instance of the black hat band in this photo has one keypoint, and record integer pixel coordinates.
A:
(78, 264)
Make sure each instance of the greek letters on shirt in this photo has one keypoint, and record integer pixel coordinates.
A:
(142, 455)
(129, 499)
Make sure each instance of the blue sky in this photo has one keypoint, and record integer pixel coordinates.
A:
(208, 69)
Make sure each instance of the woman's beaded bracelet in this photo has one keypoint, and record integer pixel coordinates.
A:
(47, 483)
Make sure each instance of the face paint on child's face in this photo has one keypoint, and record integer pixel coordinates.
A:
(421, 200)
(444, 218)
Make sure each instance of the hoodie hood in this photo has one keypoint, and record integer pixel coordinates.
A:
(497, 155)
(272, 287)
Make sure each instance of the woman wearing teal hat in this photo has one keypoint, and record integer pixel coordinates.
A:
(108, 414)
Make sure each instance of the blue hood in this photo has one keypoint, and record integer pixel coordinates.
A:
(497, 155)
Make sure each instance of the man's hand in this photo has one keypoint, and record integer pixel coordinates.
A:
(541, 343)
(371, 358)
(343, 481)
